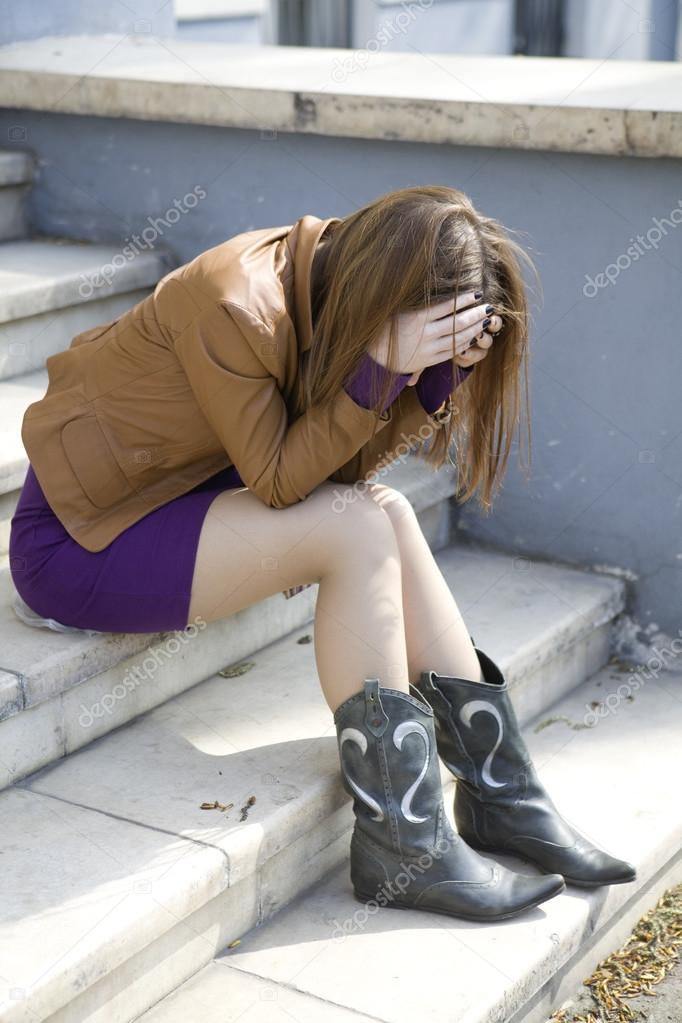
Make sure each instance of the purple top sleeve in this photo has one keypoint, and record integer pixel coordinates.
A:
(433, 386)
(370, 375)
(435, 383)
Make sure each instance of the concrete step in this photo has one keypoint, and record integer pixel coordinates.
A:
(118, 886)
(48, 680)
(15, 397)
(16, 178)
(51, 289)
(13, 458)
(41, 311)
(326, 957)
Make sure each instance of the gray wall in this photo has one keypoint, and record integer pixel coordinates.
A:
(606, 366)
(248, 30)
(437, 26)
(614, 30)
(610, 29)
(29, 19)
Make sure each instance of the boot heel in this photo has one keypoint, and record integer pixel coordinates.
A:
(392, 904)
(363, 896)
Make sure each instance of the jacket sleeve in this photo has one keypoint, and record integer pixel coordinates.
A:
(280, 462)
(409, 426)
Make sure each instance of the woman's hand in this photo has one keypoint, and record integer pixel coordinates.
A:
(425, 335)
(478, 349)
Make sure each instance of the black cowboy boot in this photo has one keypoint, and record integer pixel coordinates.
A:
(500, 803)
(404, 852)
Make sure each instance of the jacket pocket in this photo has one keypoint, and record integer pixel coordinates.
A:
(93, 462)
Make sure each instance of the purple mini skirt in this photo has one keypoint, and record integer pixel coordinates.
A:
(141, 582)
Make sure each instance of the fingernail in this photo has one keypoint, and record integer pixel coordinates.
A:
(487, 321)
(489, 308)
(478, 294)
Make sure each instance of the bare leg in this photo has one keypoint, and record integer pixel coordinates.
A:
(248, 551)
(437, 637)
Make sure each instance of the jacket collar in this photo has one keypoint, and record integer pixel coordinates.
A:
(307, 232)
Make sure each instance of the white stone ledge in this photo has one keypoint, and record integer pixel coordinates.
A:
(209, 10)
(613, 107)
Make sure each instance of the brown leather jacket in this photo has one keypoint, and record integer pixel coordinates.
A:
(194, 378)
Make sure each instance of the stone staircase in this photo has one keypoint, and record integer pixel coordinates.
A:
(326, 959)
(50, 289)
(121, 895)
(119, 887)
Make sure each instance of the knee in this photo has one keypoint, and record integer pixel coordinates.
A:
(362, 525)
(395, 506)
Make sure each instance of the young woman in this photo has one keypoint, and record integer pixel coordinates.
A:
(211, 446)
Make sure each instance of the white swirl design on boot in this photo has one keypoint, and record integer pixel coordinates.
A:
(356, 736)
(404, 729)
(466, 713)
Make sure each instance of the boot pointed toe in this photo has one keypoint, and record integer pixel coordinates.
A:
(596, 868)
(531, 891)
(580, 862)
(507, 895)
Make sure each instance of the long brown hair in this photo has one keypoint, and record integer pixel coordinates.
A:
(407, 249)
